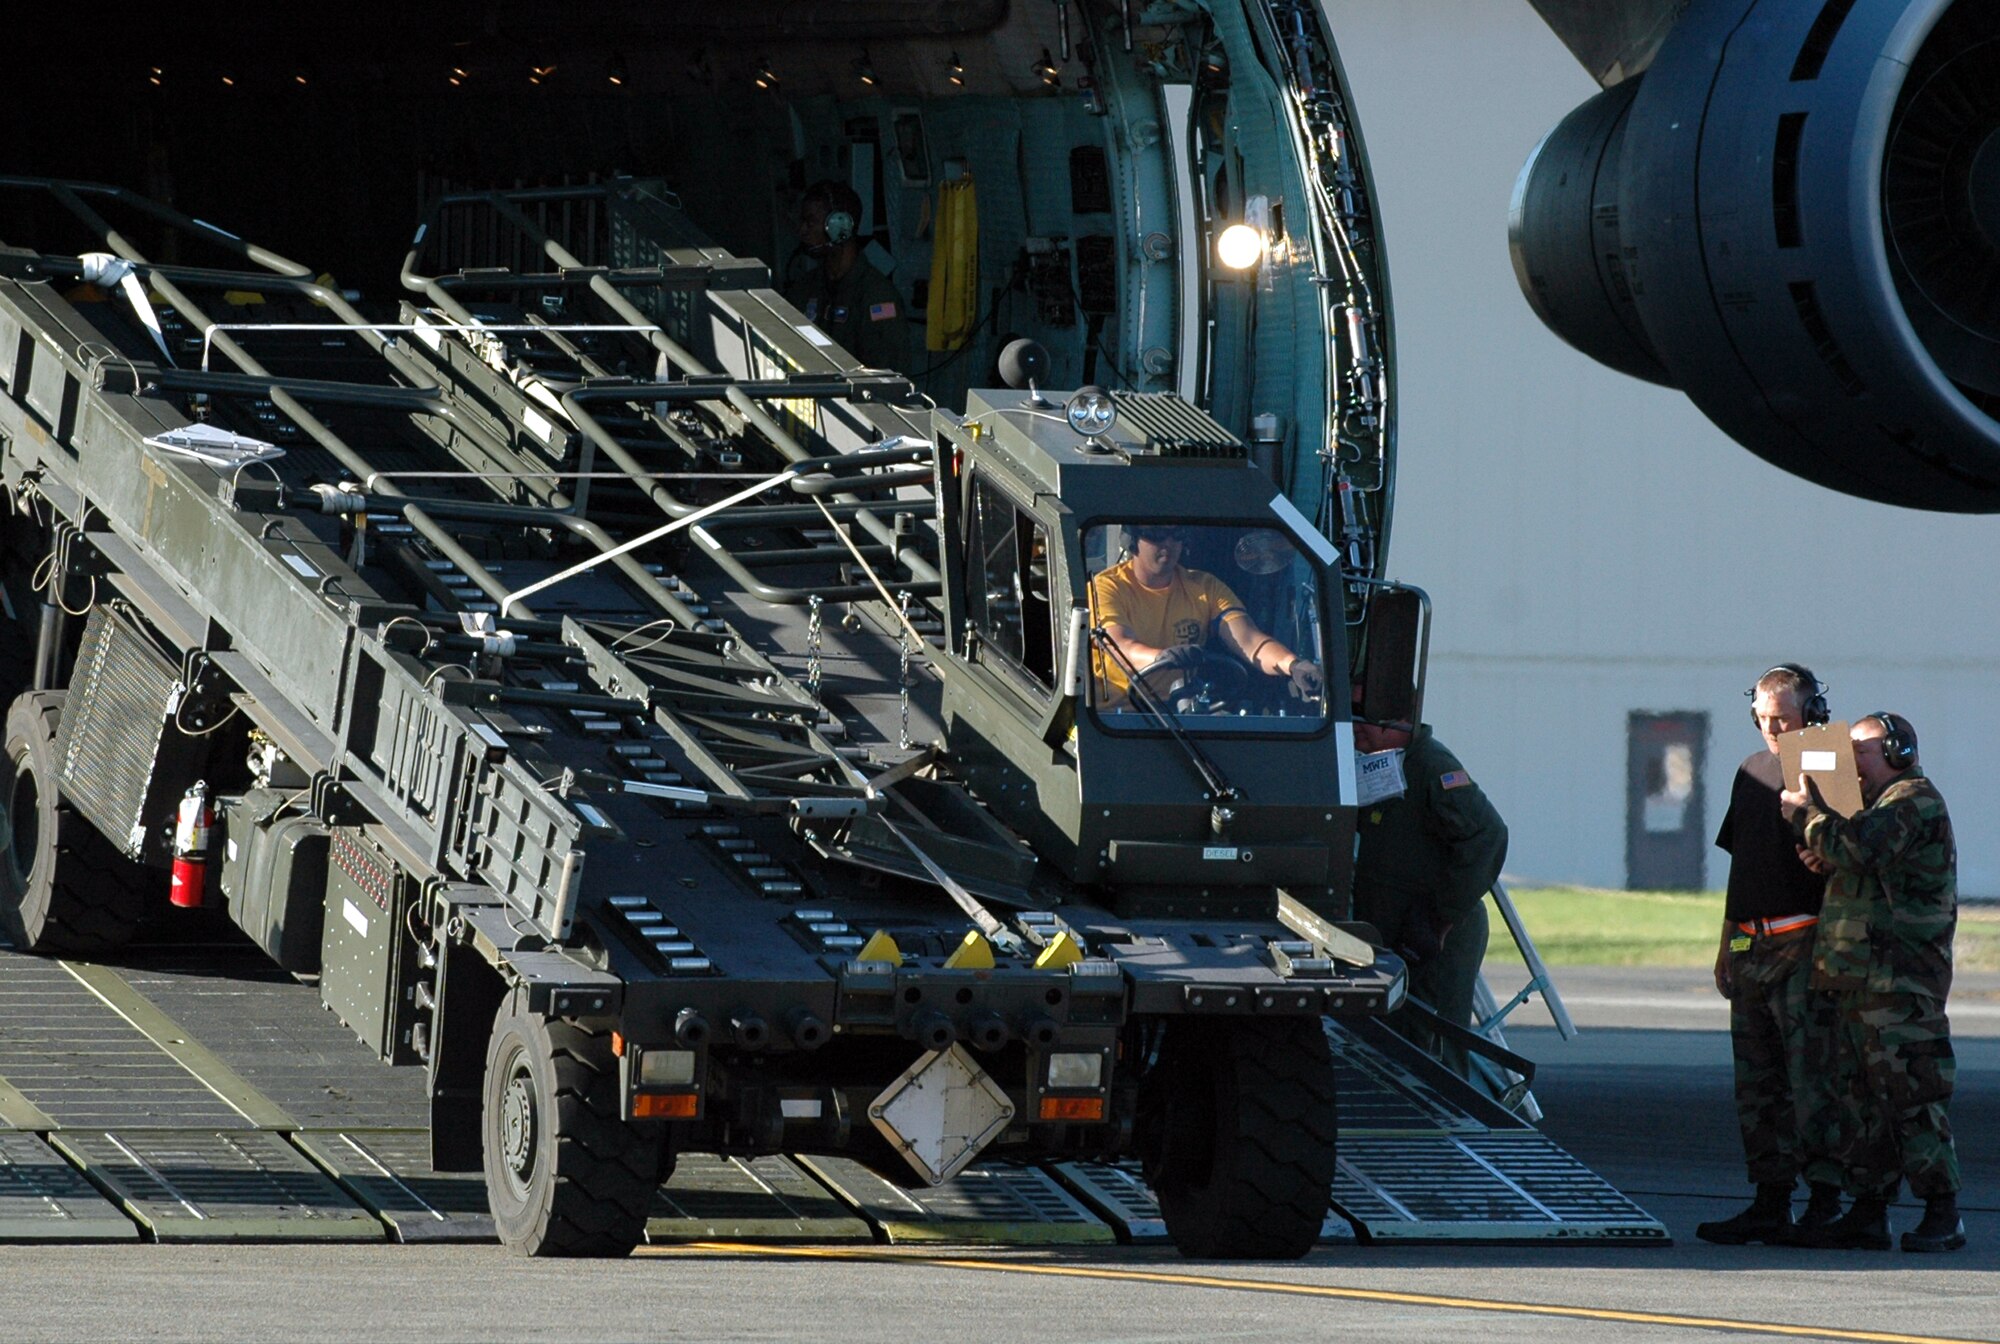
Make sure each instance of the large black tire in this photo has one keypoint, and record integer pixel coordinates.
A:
(1243, 1159)
(64, 888)
(564, 1174)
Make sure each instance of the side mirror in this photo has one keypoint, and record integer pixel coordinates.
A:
(1397, 649)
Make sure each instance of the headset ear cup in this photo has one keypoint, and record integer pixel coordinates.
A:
(1899, 752)
(839, 226)
(1812, 695)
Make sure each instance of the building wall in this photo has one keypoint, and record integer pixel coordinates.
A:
(1594, 546)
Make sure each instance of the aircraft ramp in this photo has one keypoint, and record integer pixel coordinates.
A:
(195, 1092)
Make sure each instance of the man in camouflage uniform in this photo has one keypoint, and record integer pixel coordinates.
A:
(1425, 863)
(1777, 1024)
(1884, 951)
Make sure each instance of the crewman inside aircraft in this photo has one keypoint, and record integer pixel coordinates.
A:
(843, 294)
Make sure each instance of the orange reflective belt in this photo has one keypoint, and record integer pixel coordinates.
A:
(1766, 927)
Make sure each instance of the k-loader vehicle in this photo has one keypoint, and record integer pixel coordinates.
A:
(673, 737)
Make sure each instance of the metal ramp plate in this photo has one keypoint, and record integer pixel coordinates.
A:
(1481, 1187)
(1423, 1157)
(994, 1204)
(1117, 1193)
(67, 1053)
(272, 1033)
(43, 1198)
(748, 1199)
(389, 1171)
(1388, 1094)
(185, 1185)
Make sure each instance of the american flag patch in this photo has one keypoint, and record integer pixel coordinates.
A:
(881, 312)
(1454, 779)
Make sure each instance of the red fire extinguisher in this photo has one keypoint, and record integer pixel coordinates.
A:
(191, 825)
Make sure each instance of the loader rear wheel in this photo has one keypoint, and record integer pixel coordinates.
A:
(565, 1175)
(1244, 1116)
(63, 887)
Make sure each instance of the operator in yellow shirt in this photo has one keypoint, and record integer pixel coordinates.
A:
(1160, 614)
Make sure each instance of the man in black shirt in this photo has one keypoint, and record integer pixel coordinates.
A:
(1764, 968)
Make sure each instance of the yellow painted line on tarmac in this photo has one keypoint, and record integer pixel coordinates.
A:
(1283, 1289)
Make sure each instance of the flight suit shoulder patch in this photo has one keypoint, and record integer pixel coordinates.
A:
(1454, 779)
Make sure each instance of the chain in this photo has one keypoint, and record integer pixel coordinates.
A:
(903, 671)
(814, 628)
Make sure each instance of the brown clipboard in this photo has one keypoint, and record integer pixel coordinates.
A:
(1825, 756)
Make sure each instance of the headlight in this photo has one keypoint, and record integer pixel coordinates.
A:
(1070, 1069)
(666, 1068)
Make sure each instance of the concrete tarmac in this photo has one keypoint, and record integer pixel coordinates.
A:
(1643, 1096)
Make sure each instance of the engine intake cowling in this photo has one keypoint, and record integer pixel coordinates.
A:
(1794, 217)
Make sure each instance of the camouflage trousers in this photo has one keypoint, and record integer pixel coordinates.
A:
(1779, 1034)
(1893, 1052)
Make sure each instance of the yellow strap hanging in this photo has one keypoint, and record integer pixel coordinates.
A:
(953, 308)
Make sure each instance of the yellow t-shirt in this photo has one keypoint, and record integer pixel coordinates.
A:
(1184, 612)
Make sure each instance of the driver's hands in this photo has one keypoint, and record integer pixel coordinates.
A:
(1306, 680)
(1184, 656)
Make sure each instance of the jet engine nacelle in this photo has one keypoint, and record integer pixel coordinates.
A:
(1794, 217)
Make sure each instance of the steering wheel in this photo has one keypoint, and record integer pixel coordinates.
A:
(1215, 684)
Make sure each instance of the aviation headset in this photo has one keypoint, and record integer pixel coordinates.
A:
(1899, 740)
(843, 209)
(1812, 695)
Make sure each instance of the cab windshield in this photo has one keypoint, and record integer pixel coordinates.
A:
(1219, 623)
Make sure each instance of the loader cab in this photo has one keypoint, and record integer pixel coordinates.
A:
(1210, 776)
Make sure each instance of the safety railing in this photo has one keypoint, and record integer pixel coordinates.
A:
(1511, 1089)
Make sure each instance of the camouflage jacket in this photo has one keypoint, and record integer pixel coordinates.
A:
(1892, 899)
(1442, 841)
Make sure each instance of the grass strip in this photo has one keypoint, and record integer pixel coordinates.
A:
(1593, 926)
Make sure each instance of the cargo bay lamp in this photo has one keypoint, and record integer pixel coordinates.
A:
(1241, 246)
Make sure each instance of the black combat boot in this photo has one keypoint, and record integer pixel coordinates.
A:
(1822, 1208)
(1768, 1219)
(1941, 1229)
(1864, 1227)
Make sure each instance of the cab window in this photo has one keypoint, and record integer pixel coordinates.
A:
(1008, 587)
(1212, 621)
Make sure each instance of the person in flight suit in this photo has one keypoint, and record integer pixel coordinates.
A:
(1424, 864)
(843, 295)
(1777, 1025)
(1884, 952)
